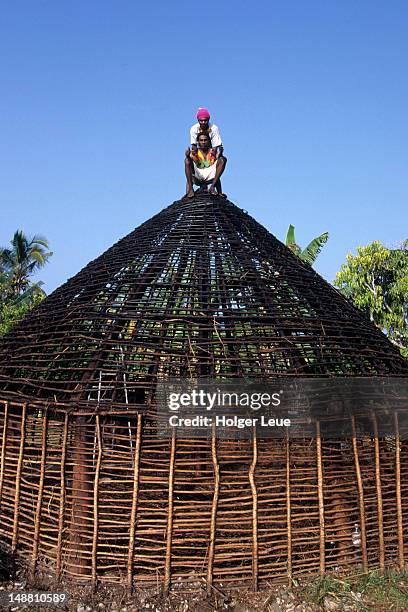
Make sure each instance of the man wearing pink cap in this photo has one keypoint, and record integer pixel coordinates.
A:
(204, 126)
(205, 162)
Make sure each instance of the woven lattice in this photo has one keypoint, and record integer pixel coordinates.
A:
(88, 489)
(199, 289)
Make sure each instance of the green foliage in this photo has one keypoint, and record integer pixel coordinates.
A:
(18, 294)
(376, 281)
(11, 313)
(20, 261)
(365, 591)
(310, 253)
(290, 240)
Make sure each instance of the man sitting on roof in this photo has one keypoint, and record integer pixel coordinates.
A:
(204, 165)
(204, 126)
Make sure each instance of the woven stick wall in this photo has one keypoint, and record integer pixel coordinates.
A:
(87, 487)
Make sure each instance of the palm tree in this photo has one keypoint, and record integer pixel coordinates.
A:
(310, 253)
(19, 262)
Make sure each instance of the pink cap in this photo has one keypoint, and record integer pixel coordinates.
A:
(203, 113)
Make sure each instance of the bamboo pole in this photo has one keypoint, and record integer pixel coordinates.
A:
(214, 507)
(360, 491)
(322, 543)
(95, 502)
(18, 480)
(288, 510)
(135, 495)
(400, 530)
(254, 511)
(169, 534)
(3, 448)
(37, 522)
(379, 496)
(62, 496)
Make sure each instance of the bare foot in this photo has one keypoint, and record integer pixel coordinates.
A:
(212, 189)
(190, 193)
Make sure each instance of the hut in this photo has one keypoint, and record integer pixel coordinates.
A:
(88, 488)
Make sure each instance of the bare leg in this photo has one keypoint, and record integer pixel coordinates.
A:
(188, 167)
(216, 186)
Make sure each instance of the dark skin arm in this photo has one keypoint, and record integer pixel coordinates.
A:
(188, 165)
(218, 151)
(216, 186)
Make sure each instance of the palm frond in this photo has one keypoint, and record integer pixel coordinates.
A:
(310, 253)
(30, 293)
(290, 236)
(290, 241)
(40, 240)
(21, 260)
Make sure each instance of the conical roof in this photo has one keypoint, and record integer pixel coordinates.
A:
(200, 289)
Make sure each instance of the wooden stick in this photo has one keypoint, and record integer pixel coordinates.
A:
(62, 497)
(133, 514)
(3, 448)
(167, 569)
(288, 511)
(398, 493)
(254, 511)
(360, 491)
(214, 508)
(37, 522)
(18, 480)
(95, 501)
(379, 496)
(322, 544)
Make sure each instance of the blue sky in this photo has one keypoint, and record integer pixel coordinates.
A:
(97, 99)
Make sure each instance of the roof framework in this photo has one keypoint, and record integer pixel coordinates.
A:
(201, 289)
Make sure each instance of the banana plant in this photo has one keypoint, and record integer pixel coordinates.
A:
(310, 253)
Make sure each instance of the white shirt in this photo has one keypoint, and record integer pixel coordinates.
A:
(213, 132)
